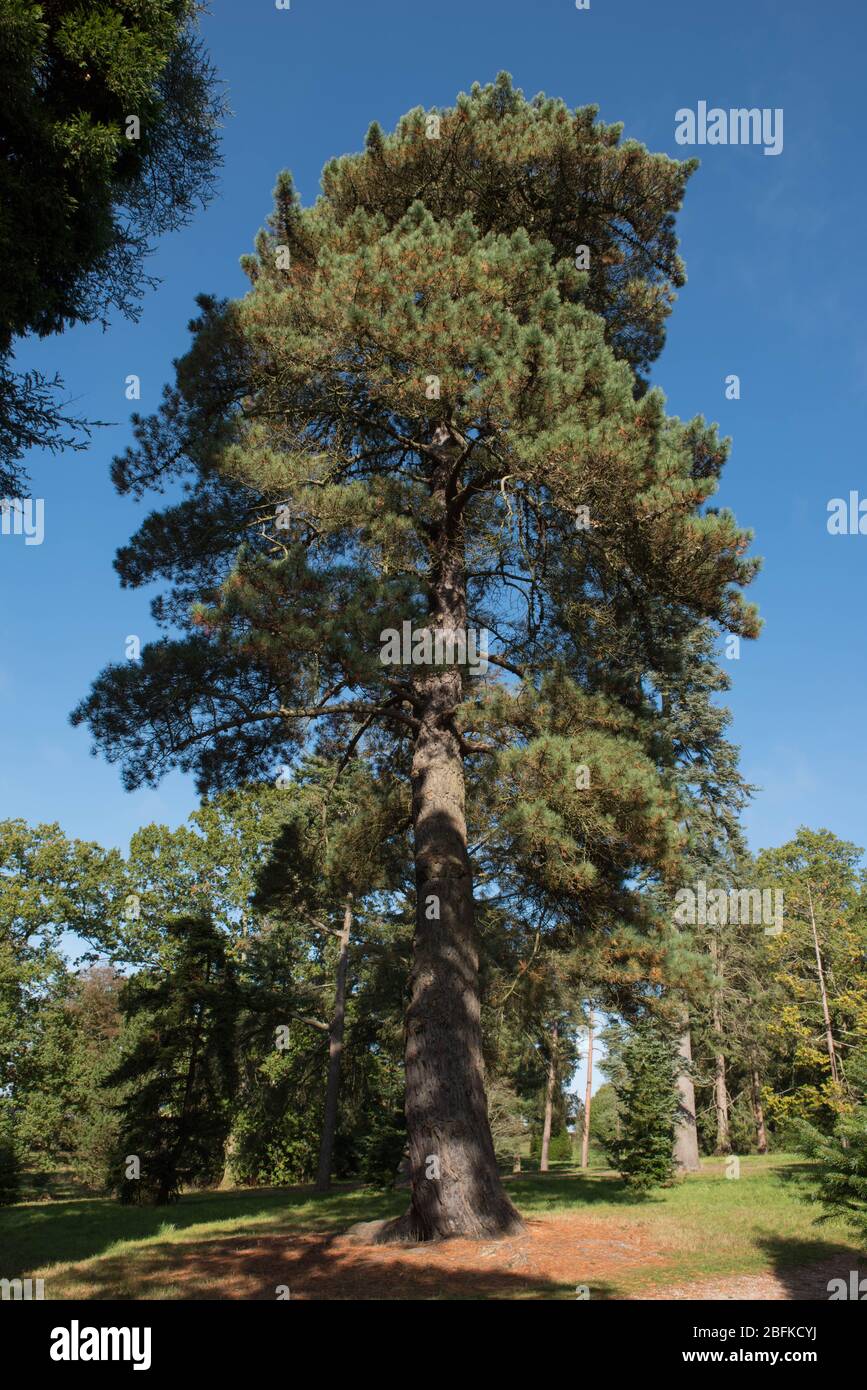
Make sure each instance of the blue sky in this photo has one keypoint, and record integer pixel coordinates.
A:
(775, 294)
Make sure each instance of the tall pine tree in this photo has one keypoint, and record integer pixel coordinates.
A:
(429, 411)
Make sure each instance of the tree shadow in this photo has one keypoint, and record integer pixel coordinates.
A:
(805, 1267)
(547, 1191)
(315, 1267)
(33, 1236)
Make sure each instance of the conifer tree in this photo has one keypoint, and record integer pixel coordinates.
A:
(108, 134)
(427, 411)
(838, 1182)
(177, 1071)
(643, 1076)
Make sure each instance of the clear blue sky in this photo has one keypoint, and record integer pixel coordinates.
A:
(776, 293)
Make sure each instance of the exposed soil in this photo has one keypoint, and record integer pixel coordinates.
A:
(554, 1258)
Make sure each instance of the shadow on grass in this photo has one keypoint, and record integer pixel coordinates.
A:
(315, 1266)
(38, 1234)
(535, 1192)
(33, 1236)
(806, 1266)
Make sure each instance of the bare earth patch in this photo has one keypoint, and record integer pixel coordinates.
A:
(555, 1256)
(809, 1283)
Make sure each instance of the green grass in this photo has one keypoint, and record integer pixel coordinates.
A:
(704, 1227)
(707, 1226)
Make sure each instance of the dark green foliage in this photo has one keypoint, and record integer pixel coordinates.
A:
(559, 1148)
(178, 1072)
(840, 1187)
(645, 1089)
(382, 1149)
(81, 199)
(605, 1119)
(10, 1168)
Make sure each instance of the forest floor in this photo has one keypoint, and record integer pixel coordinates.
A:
(706, 1238)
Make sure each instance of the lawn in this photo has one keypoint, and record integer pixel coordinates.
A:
(582, 1228)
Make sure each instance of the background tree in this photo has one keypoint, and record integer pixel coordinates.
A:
(83, 191)
(644, 1063)
(712, 794)
(839, 1182)
(818, 964)
(605, 1121)
(49, 886)
(330, 858)
(177, 1070)
(63, 1118)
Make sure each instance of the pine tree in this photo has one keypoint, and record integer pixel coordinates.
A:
(644, 1083)
(83, 191)
(177, 1073)
(839, 1182)
(424, 412)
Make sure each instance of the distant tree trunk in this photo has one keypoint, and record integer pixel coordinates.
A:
(549, 1101)
(686, 1133)
(335, 1056)
(758, 1111)
(169, 1183)
(516, 1164)
(229, 1150)
(720, 1093)
(829, 1036)
(723, 1138)
(585, 1137)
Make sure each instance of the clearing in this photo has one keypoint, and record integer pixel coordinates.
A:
(707, 1237)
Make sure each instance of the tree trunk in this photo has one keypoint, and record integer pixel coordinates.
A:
(720, 1093)
(229, 1150)
(721, 1105)
(686, 1133)
(758, 1111)
(829, 1036)
(585, 1136)
(456, 1187)
(335, 1056)
(549, 1102)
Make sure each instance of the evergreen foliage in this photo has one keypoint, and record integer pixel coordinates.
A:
(647, 1103)
(83, 194)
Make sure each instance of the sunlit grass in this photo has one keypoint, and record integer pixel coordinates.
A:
(703, 1227)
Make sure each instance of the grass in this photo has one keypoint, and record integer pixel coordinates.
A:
(704, 1227)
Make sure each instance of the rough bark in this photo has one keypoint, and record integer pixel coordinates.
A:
(335, 1056)
(588, 1095)
(550, 1084)
(456, 1187)
(686, 1132)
